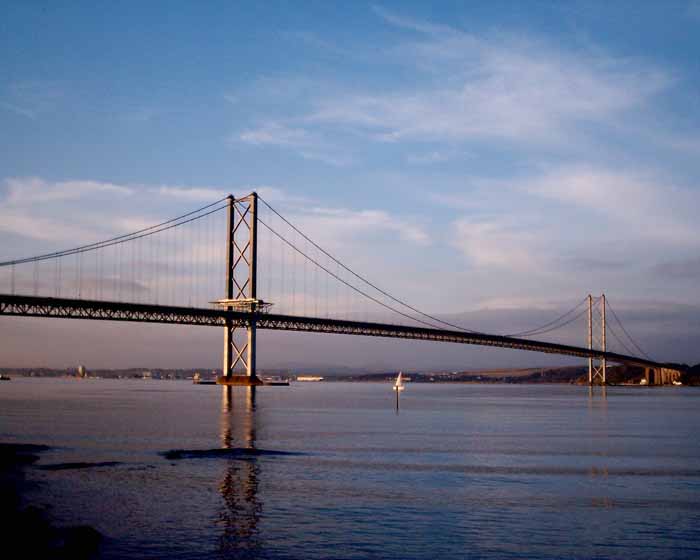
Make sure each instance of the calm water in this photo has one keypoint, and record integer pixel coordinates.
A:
(463, 471)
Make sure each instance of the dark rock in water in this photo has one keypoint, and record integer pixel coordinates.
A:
(27, 531)
(78, 465)
(232, 453)
(17, 454)
(23, 447)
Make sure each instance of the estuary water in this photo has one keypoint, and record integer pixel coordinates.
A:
(331, 470)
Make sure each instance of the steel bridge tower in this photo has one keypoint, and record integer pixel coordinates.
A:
(241, 290)
(597, 367)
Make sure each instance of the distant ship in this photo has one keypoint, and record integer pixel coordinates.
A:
(275, 380)
(4, 377)
(398, 386)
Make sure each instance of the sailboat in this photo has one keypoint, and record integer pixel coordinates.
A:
(398, 386)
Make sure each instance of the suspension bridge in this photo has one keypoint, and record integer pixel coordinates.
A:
(172, 272)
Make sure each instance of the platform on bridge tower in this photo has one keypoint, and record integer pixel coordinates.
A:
(240, 380)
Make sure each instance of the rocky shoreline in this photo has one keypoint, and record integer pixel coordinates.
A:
(28, 528)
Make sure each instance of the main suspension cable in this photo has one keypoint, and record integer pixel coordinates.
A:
(624, 330)
(351, 286)
(619, 340)
(554, 328)
(537, 330)
(145, 232)
(363, 279)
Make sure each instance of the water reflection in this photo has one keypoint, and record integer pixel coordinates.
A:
(598, 398)
(598, 407)
(239, 487)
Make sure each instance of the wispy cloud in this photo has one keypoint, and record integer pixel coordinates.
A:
(429, 158)
(23, 111)
(603, 223)
(38, 209)
(198, 194)
(630, 199)
(411, 23)
(211, 194)
(464, 88)
(363, 223)
(44, 228)
(496, 244)
(276, 134)
(500, 88)
(35, 190)
(30, 99)
(309, 145)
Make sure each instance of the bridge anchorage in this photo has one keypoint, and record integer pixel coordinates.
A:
(163, 274)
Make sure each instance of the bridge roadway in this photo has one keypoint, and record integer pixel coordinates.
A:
(33, 306)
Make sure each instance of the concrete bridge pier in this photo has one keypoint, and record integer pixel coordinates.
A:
(661, 376)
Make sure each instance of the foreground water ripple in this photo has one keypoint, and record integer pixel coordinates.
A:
(167, 469)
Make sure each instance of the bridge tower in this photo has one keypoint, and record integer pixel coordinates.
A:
(597, 367)
(241, 290)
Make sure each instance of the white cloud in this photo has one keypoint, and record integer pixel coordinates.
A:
(309, 145)
(337, 159)
(496, 243)
(60, 224)
(343, 223)
(212, 194)
(428, 158)
(522, 302)
(494, 87)
(463, 88)
(198, 194)
(647, 207)
(58, 212)
(41, 228)
(32, 189)
(410, 23)
(275, 134)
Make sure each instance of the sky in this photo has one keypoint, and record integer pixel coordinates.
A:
(493, 161)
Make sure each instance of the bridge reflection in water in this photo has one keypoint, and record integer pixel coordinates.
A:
(242, 509)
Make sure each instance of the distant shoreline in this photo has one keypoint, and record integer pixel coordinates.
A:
(411, 379)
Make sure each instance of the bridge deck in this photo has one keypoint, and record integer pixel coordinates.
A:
(32, 306)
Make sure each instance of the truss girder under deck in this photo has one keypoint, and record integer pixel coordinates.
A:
(32, 306)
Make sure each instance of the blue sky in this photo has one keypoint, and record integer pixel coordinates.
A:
(505, 155)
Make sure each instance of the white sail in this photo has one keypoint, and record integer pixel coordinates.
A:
(398, 386)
